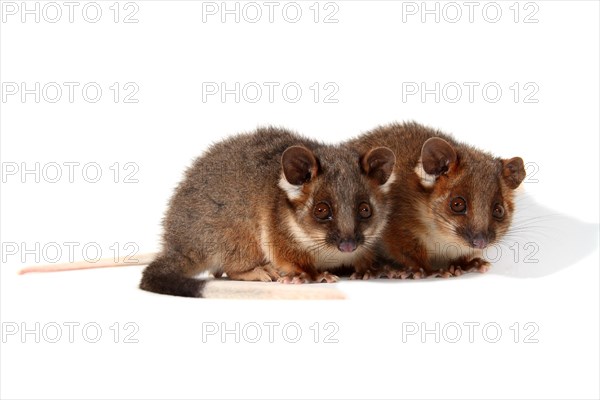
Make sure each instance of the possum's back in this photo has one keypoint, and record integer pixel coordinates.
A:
(225, 182)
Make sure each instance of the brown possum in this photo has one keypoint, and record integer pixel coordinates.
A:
(272, 205)
(450, 201)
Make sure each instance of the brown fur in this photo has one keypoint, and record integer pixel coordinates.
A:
(230, 214)
(423, 233)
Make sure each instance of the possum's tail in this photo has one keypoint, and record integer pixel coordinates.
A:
(173, 284)
(176, 285)
(160, 277)
(140, 259)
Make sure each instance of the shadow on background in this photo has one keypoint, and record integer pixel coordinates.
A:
(541, 242)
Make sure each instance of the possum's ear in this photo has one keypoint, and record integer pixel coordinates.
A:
(437, 156)
(299, 165)
(378, 164)
(513, 172)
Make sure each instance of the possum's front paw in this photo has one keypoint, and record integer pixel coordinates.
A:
(366, 274)
(483, 267)
(263, 273)
(476, 265)
(402, 273)
(362, 276)
(303, 277)
(326, 277)
(295, 278)
(459, 267)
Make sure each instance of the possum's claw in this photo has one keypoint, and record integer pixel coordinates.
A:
(420, 274)
(326, 277)
(392, 273)
(367, 274)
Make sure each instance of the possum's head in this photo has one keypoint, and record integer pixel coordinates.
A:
(472, 199)
(337, 198)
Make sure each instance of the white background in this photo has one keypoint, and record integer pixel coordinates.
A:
(370, 54)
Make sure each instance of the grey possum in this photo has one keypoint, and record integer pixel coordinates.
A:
(271, 206)
(450, 201)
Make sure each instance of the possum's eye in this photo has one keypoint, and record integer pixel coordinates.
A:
(458, 205)
(364, 210)
(498, 211)
(322, 211)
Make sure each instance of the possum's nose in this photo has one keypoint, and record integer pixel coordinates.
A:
(479, 241)
(347, 246)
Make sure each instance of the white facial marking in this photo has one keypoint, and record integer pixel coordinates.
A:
(305, 240)
(442, 246)
(427, 180)
(385, 188)
(293, 192)
(325, 256)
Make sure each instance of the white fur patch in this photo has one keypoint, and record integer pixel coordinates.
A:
(305, 240)
(265, 241)
(427, 180)
(293, 192)
(385, 188)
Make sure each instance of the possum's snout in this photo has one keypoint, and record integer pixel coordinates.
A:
(347, 246)
(479, 240)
